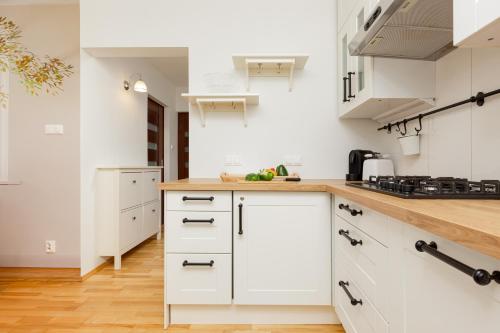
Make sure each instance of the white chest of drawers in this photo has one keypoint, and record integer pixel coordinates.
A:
(128, 209)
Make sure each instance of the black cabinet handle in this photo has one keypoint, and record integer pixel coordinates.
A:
(186, 220)
(187, 263)
(353, 241)
(184, 198)
(134, 218)
(353, 212)
(349, 77)
(345, 90)
(354, 301)
(240, 207)
(134, 181)
(480, 276)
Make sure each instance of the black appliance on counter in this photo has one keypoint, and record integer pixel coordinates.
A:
(425, 187)
(356, 160)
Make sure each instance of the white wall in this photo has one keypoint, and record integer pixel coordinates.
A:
(301, 122)
(461, 142)
(46, 206)
(113, 127)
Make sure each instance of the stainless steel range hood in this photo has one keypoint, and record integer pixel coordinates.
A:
(409, 29)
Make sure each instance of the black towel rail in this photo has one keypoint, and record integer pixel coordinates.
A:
(478, 99)
(480, 276)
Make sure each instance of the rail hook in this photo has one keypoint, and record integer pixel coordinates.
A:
(389, 128)
(404, 124)
(419, 123)
(397, 128)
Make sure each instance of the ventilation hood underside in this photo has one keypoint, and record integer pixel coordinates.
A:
(409, 29)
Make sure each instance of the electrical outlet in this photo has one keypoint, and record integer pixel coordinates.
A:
(233, 160)
(50, 246)
(293, 160)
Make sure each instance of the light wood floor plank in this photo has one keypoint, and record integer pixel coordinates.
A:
(126, 301)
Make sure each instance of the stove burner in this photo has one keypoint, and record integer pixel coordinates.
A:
(428, 187)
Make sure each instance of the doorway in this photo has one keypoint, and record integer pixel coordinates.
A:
(183, 145)
(156, 136)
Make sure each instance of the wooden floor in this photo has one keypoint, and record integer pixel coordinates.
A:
(130, 300)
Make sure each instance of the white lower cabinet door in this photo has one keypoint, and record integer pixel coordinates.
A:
(198, 279)
(439, 298)
(151, 224)
(282, 251)
(130, 228)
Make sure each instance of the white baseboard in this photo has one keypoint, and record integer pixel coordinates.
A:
(252, 314)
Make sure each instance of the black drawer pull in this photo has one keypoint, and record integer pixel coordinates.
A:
(349, 78)
(345, 90)
(240, 207)
(187, 263)
(134, 181)
(354, 301)
(184, 198)
(353, 241)
(480, 276)
(353, 212)
(134, 218)
(186, 220)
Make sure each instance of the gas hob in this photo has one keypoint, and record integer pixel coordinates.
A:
(425, 187)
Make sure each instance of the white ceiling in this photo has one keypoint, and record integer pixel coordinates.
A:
(174, 68)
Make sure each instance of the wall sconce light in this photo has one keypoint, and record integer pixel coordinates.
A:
(139, 85)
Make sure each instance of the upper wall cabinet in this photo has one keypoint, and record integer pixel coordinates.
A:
(476, 23)
(344, 9)
(382, 89)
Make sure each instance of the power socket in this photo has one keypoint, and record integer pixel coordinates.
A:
(50, 246)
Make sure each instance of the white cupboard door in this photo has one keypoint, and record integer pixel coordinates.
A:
(151, 223)
(150, 190)
(282, 248)
(439, 298)
(130, 228)
(130, 189)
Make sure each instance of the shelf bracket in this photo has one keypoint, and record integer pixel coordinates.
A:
(213, 103)
(290, 77)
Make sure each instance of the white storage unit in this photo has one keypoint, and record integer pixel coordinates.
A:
(127, 209)
(282, 248)
(198, 261)
(382, 89)
(476, 23)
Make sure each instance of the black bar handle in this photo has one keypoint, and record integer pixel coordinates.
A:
(184, 198)
(187, 263)
(353, 212)
(353, 241)
(354, 301)
(186, 220)
(240, 207)
(480, 276)
(349, 77)
(345, 90)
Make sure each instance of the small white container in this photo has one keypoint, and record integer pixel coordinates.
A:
(410, 145)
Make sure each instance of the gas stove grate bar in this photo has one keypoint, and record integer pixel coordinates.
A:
(478, 99)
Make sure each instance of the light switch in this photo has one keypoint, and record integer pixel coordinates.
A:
(54, 129)
(233, 160)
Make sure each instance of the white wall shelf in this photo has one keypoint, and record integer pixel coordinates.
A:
(222, 103)
(283, 65)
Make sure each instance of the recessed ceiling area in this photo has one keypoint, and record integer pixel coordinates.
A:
(175, 69)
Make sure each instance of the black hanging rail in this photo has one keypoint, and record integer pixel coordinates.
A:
(478, 99)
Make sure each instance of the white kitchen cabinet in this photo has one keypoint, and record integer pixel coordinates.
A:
(439, 298)
(344, 9)
(382, 89)
(127, 209)
(282, 248)
(476, 23)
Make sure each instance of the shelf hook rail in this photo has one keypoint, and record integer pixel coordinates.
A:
(419, 123)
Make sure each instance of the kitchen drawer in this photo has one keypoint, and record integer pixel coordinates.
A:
(359, 318)
(130, 189)
(198, 232)
(200, 201)
(369, 221)
(368, 261)
(150, 190)
(130, 228)
(198, 284)
(151, 223)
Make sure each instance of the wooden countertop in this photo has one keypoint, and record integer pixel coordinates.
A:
(471, 223)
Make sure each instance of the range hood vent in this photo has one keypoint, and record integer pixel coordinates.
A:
(408, 29)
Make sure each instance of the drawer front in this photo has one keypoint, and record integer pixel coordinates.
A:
(359, 318)
(130, 189)
(150, 190)
(186, 284)
(130, 227)
(198, 232)
(368, 261)
(369, 221)
(200, 201)
(151, 223)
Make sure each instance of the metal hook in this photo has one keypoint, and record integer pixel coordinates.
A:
(420, 124)
(259, 70)
(279, 68)
(397, 128)
(389, 128)
(404, 124)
